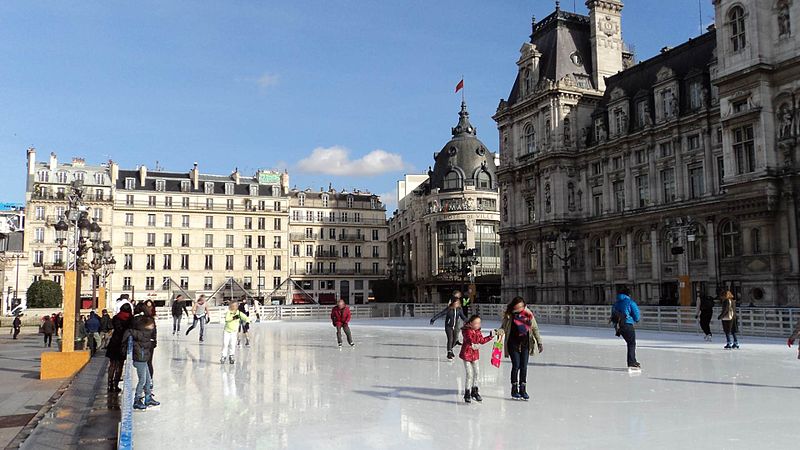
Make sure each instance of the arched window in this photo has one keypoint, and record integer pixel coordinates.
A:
(452, 180)
(697, 247)
(484, 181)
(644, 251)
(530, 139)
(755, 241)
(599, 253)
(620, 251)
(736, 25)
(730, 240)
(784, 20)
(532, 258)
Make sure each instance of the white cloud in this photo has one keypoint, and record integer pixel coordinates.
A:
(267, 80)
(336, 161)
(389, 199)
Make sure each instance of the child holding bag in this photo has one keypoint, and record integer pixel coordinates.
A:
(470, 353)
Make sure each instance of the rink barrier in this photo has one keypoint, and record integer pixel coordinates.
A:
(767, 322)
(125, 433)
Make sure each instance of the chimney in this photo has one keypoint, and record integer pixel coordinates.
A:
(235, 175)
(114, 172)
(53, 161)
(195, 175)
(284, 183)
(142, 175)
(78, 162)
(31, 161)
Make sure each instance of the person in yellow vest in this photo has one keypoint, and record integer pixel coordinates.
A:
(233, 317)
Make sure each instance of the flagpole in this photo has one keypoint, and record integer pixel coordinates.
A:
(463, 88)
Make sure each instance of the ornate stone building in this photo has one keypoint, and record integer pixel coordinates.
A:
(457, 203)
(338, 244)
(676, 176)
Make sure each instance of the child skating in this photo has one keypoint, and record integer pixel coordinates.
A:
(451, 314)
(233, 317)
(472, 338)
(522, 340)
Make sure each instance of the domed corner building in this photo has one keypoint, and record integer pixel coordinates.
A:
(450, 212)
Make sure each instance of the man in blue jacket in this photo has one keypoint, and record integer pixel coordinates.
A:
(93, 331)
(625, 313)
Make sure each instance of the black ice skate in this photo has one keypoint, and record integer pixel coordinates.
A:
(476, 395)
(230, 359)
(467, 396)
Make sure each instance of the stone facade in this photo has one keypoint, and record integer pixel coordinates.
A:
(337, 243)
(457, 202)
(676, 176)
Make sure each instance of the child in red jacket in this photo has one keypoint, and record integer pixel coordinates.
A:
(340, 317)
(472, 340)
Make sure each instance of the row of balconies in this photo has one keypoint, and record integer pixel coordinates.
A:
(317, 237)
(369, 271)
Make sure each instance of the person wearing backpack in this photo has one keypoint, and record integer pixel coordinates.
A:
(178, 310)
(625, 314)
(233, 317)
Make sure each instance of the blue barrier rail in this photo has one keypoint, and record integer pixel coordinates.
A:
(125, 437)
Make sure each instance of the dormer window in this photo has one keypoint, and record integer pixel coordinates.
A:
(349, 201)
(452, 180)
(528, 81)
(301, 199)
(161, 185)
(253, 190)
(43, 176)
(276, 190)
(79, 176)
(98, 178)
(736, 26)
(186, 186)
(325, 200)
(130, 183)
(619, 122)
(642, 113)
(373, 203)
(228, 188)
(208, 187)
(483, 180)
(61, 177)
(695, 95)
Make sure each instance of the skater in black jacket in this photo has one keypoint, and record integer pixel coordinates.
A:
(451, 315)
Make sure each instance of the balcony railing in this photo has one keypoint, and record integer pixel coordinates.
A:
(352, 237)
(367, 271)
(327, 254)
(60, 196)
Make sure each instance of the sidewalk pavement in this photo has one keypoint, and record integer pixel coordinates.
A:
(22, 394)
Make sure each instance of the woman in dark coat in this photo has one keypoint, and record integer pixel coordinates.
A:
(117, 351)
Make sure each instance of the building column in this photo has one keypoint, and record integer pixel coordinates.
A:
(629, 181)
(630, 256)
(708, 163)
(609, 267)
(711, 252)
(607, 201)
(435, 247)
(655, 257)
(680, 188)
(655, 191)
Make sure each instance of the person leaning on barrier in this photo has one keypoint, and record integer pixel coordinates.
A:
(143, 332)
(116, 350)
(795, 335)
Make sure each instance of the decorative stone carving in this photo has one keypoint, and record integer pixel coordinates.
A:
(548, 206)
(571, 196)
(785, 118)
(784, 24)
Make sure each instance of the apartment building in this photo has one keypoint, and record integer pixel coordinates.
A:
(337, 244)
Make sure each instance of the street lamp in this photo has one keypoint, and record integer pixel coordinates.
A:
(462, 263)
(681, 231)
(569, 241)
(398, 267)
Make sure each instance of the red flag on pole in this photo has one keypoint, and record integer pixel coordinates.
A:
(460, 85)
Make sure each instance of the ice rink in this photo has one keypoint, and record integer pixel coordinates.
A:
(292, 388)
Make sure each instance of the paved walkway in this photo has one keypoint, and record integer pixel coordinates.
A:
(22, 394)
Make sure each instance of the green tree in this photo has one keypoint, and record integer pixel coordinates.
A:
(44, 294)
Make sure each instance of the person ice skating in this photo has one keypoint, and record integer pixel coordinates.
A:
(106, 327)
(473, 338)
(795, 335)
(117, 350)
(47, 330)
(144, 334)
(522, 340)
(729, 320)
(705, 310)
(93, 331)
(178, 310)
(244, 327)
(625, 314)
(452, 313)
(233, 317)
(340, 316)
(200, 316)
(17, 325)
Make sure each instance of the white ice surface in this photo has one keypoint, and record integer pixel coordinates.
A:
(396, 390)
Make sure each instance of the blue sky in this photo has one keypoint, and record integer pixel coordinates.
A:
(260, 84)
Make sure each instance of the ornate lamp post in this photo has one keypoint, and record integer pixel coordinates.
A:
(681, 231)
(566, 254)
(463, 261)
(398, 267)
